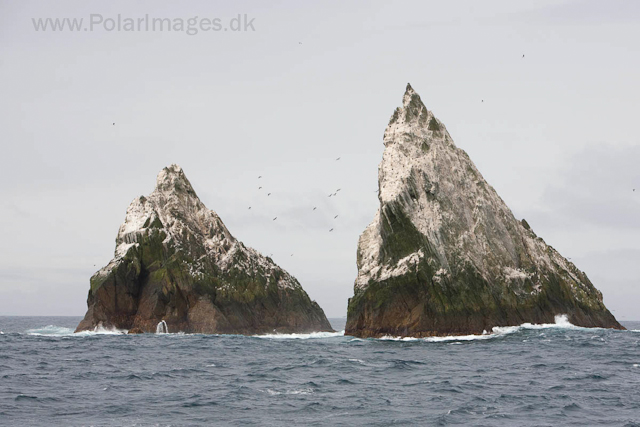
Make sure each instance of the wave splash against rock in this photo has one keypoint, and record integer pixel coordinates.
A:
(444, 255)
(177, 264)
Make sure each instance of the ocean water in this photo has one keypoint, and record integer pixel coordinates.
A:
(542, 375)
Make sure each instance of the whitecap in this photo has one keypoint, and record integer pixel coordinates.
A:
(100, 330)
(484, 336)
(302, 391)
(50, 330)
(312, 335)
(561, 322)
(60, 331)
(465, 337)
(392, 338)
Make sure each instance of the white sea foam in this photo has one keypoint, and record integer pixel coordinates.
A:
(467, 337)
(302, 391)
(59, 331)
(392, 338)
(162, 328)
(50, 330)
(312, 335)
(100, 330)
(561, 322)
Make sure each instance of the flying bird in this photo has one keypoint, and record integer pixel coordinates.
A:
(275, 218)
(268, 194)
(335, 217)
(260, 177)
(114, 124)
(259, 188)
(337, 190)
(330, 230)
(317, 208)
(523, 55)
(337, 159)
(249, 207)
(330, 194)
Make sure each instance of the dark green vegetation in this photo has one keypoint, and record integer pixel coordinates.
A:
(421, 303)
(446, 255)
(169, 273)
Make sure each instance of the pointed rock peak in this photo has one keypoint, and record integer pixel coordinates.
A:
(173, 179)
(408, 93)
(442, 237)
(411, 99)
(413, 112)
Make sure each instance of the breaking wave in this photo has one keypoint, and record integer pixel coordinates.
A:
(50, 330)
(59, 331)
(561, 322)
(519, 375)
(301, 391)
(312, 335)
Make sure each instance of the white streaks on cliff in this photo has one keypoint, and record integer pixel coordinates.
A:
(173, 208)
(437, 187)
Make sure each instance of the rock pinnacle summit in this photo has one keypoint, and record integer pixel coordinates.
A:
(444, 255)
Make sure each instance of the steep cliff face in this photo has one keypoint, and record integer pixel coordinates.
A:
(176, 261)
(445, 255)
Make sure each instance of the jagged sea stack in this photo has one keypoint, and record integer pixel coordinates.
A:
(445, 255)
(176, 262)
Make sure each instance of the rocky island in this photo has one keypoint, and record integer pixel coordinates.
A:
(444, 255)
(177, 268)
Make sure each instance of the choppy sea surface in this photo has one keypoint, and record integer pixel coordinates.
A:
(543, 375)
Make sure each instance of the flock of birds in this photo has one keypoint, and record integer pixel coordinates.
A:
(333, 194)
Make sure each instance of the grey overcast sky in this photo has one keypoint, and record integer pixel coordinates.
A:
(556, 135)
